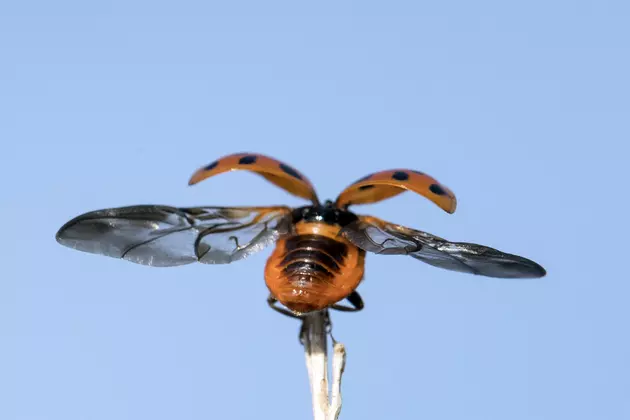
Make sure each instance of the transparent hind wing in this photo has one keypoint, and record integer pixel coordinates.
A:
(165, 236)
(381, 237)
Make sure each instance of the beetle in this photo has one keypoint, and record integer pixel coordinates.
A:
(320, 249)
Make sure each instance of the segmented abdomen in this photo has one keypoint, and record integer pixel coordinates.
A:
(312, 258)
(311, 271)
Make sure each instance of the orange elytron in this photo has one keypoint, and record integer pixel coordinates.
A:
(320, 249)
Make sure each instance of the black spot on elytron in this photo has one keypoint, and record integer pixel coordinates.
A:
(289, 170)
(247, 160)
(211, 166)
(365, 178)
(418, 172)
(365, 187)
(400, 176)
(436, 189)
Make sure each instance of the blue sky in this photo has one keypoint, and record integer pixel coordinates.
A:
(521, 108)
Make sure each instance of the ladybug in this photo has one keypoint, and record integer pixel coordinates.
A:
(320, 248)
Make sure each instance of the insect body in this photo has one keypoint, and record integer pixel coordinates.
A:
(315, 267)
(320, 249)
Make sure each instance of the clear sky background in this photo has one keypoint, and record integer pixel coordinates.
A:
(521, 108)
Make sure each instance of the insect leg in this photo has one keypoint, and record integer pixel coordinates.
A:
(272, 302)
(328, 325)
(355, 300)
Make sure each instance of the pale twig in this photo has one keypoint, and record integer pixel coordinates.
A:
(338, 366)
(314, 337)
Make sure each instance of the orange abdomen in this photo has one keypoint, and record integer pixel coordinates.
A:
(314, 268)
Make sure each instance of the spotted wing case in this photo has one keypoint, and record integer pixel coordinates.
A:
(274, 171)
(386, 184)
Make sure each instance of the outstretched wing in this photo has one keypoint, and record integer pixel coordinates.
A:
(381, 237)
(164, 236)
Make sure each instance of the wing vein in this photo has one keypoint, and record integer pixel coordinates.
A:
(160, 236)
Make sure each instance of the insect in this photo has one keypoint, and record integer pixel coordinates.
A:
(320, 249)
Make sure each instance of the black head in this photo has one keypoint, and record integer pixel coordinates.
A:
(326, 213)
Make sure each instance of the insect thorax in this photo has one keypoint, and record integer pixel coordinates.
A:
(323, 214)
